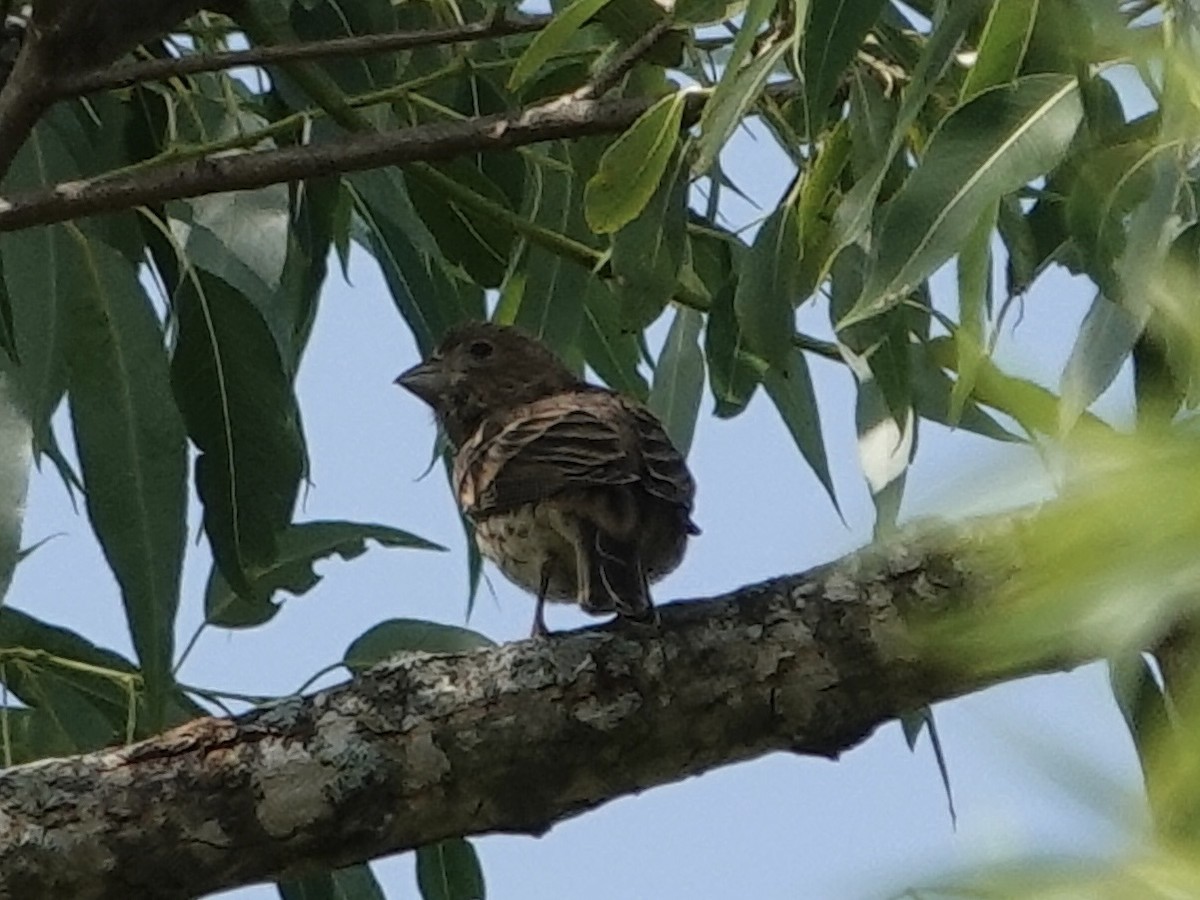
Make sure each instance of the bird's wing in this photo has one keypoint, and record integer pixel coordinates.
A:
(544, 448)
(665, 474)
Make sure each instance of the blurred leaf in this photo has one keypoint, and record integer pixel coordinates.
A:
(633, 166)
(1110, 183)
(679, 379)
(449, 870)
(608, 348)
(553, 38)
(237, 401)
(1104, 342)
(16, 454)
(885, 450)
(1001, 47)
(647, 252)
(731, 373)
(707, 12)
(1144, 708)
(994, 144)
(542, 295)
(834, 33)
(790, 389)
(763, 298)
(300, 546)
(383, 641)
(132, 451)
(974, 302)
(350, 883)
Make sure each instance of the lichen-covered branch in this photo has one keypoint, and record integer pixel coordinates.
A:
(510, 739)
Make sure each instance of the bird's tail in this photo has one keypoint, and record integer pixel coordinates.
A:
(616, 580)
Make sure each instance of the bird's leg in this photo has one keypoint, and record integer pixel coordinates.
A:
(539, 619)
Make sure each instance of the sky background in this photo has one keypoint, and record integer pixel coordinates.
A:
(1041, 765)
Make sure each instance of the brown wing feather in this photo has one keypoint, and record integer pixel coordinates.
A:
(565, 441)
(666, 474)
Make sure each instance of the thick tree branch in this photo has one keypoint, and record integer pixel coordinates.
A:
(435, 141)
(511, 739)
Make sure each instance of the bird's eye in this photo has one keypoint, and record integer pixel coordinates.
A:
(480, 349)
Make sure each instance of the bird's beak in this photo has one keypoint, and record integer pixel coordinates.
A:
(427, 380)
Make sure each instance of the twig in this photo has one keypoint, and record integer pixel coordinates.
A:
(129, 74)
(606, 79)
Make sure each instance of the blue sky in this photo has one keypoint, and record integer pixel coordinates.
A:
(869, 825)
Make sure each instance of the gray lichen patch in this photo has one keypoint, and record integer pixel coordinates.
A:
(293, 788)
(605, 716)
(426, 763)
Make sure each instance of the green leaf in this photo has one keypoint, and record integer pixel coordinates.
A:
(427, 297)
(102, 679)
(350, 883)
(853, 214)
(1002, 47)
(542, 295)
(734, 91)
(679, 379)
(633, 166)
(479, 244)
(790, 389)
(132, 450)
(385, 640)
(734, 95)
(1104, 342)
(237, 401)
(763, 298)
(732, 372)
(931, 399)
(449, 870)
(553, 38)
(609, 349)
(994, 144)
(42, 272)
(647, 252)
(913, 724)
(835, 31)
(300, 546)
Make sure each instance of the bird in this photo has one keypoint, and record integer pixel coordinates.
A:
(575, 491)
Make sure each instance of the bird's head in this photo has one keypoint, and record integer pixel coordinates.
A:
(481, 368)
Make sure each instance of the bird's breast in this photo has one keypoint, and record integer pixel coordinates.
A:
(526, 541)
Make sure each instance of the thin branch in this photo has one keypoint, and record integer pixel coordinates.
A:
(129, 74)
(608, 77)
(560, 118)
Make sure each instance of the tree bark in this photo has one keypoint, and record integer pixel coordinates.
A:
(509, 739)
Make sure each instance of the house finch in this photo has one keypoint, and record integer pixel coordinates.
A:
(576, 492)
